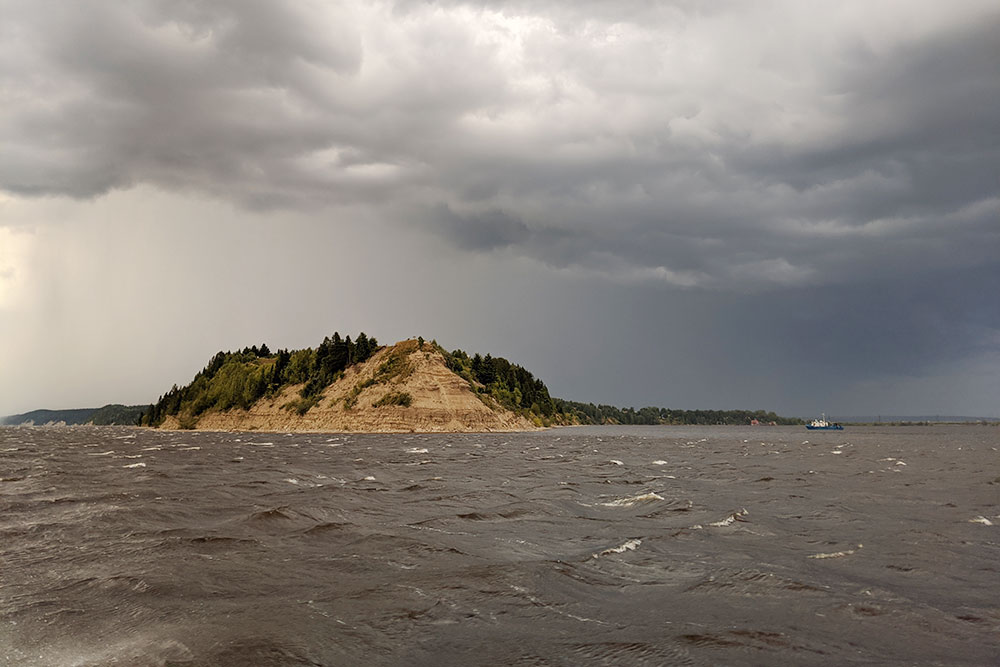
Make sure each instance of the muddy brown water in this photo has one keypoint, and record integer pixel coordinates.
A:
(579, 546)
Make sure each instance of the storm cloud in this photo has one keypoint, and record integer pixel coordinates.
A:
(745, 155)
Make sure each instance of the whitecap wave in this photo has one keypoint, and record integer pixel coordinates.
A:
(836, 554)
(628, 545)
(731, 519)
(633, 500)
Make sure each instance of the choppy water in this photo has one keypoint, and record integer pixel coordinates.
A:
(601, 546)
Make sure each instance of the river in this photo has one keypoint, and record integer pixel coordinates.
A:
(574, 546)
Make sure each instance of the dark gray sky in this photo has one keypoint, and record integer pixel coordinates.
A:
(782, 205)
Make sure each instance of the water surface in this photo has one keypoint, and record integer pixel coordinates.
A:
(584, 546)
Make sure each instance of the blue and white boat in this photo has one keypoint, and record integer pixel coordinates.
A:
(822, 424)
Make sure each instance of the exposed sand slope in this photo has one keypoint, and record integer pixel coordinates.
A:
(441, 401)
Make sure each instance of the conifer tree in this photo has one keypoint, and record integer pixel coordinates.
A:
(362, 347)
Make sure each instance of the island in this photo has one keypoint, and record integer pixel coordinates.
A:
(415, 385)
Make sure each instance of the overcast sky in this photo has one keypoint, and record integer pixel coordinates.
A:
(780, 204)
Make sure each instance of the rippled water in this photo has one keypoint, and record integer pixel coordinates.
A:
(597, 546)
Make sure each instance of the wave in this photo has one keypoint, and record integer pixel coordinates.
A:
(630, 501)
(756, 640)
(731, 519)
(628, 545)
(221, 540)
(630, 653)
(836, 554)
(510, 515)
(326, 527)
(752, 583)
(272, 514)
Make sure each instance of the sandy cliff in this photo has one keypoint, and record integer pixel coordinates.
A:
(439, 401)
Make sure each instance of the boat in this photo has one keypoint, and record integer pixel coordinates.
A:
(822, 424)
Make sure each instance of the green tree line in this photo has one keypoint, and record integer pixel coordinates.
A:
(510, 385)
(239, 379)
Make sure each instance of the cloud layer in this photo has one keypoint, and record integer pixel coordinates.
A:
(743, 147)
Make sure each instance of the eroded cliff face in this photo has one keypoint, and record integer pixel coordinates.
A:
(370, 398)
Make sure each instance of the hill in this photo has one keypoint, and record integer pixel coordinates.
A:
(346, 385)
(72, 417)
(410, 386)
(116, 414)
(109, 415)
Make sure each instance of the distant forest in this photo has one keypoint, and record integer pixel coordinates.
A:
(588, 413)
(241, 378)
(109, 415)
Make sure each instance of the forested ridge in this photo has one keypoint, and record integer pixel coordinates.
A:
(113, 414)
(69, 417)
(116, 414)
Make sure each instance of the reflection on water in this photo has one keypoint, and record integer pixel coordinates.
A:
(589, 546)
